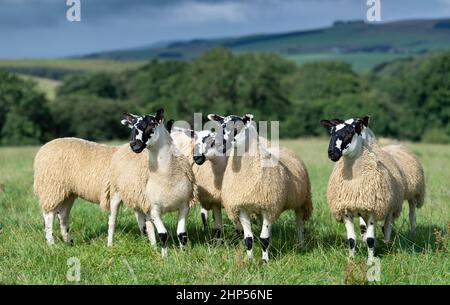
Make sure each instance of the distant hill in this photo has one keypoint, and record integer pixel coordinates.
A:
(364, 44)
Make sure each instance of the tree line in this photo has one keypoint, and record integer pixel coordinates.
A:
(407, 99)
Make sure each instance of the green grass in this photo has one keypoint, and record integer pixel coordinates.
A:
(88, 65)
(26, 259)
(57, 68)
(44, 85)
(361, 62)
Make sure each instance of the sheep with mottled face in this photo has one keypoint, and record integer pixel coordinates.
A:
(151, 178)
(208, 175)
(369, 181)
(254, 185)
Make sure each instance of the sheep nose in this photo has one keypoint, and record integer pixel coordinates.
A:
(334, 156)
(200, 159)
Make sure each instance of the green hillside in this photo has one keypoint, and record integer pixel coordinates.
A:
(59, 68)
(363, 45)
(361, 62)
(44, 85)
(353, 41)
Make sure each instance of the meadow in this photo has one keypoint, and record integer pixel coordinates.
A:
(25, 257)
(46, 86)
(87, 65)
(361, 62)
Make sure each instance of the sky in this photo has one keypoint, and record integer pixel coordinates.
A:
(40, 29)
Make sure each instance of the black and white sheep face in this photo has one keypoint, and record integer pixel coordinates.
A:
(231, 125)
(144, 130)
(345, 136)
(204, 146)
(204, 143)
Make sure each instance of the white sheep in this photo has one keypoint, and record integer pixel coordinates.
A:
(208, 176)
(65, 169)
(151, 178)
(369, 181)
(260, 181)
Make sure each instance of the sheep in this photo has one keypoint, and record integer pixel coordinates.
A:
(208, 176)
(65, 169)
(369, 181)
(414, 177)
(151, 178)
(250, 187)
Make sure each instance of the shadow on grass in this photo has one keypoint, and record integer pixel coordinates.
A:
(403, 240)
(284, 237)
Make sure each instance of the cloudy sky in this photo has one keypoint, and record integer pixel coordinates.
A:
(39, 28)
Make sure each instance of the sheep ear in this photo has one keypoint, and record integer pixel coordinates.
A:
(359, 126)
(247, 118)
(159, 116)
(128, 119)
(215, 117)
(327, 124)
(366, 120)
(169, 125)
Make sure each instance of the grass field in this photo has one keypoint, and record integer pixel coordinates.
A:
(89, 65)
(361, 62)
(44, 85)
(25, 258)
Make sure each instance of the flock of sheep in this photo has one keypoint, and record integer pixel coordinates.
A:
(169, 168)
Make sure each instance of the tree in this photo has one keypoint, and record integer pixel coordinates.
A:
(24, 116)
(88, 117)
(421, 88)
(99, 84)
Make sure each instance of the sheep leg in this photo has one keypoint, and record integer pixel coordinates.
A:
(371, 238)
(155, 214)
(266, 232)
(181, 227)
(387, 228)
(248, 235)
(146, 227)
(63, 215)
(351, 236)
(217, 210)
(204, 215)
(114, 208)
(412, 216)
(48, 227)
(300, 228)
(363, 228)
(150, 229)
(140, 218)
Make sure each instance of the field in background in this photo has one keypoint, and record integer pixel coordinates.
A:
(44, 85)
(48, 73)
(88, 65)
(404, 37)
(361, 62)
(26, 259)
